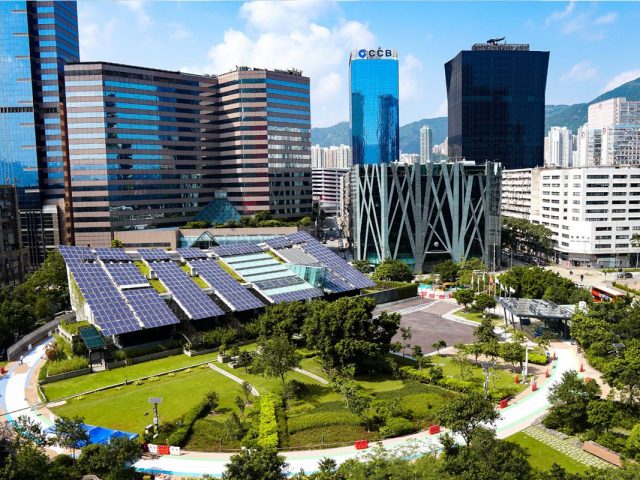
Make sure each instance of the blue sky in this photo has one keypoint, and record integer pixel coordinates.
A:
(593, 45)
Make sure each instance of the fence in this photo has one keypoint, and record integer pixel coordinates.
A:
(46, 330)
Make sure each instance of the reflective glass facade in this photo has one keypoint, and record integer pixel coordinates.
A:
(496, 102)
(375, 129)
(36, 40)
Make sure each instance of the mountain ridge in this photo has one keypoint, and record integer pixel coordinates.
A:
(570, 116)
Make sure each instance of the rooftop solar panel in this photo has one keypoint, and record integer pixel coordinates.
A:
(279, 242)
(225, 287)
(153, 254)
(229, 250)
(305, 294)
(278, 282)
(195, 303)
(76, 253)
(191, 253)
(110, 312)
(149, 307)
(112, 254)
(296, 255)
(126, 275)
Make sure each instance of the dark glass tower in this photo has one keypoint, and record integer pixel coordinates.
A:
(496, 95)
(36, 40)
(375, 129)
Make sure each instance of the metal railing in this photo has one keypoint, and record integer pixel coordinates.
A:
(46, 330)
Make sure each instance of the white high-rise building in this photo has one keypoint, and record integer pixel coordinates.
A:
(558, 147)
(425, 144)
(336, 156)
(612, 134)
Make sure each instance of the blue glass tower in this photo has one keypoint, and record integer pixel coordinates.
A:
(36, 40)
(375, 129)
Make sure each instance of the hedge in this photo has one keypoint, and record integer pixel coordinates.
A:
(396, 426)
(322, 419)
(73, 327)
(147, 349)
(181, 435)
(538, 359)
(56, 367)
(268, 429)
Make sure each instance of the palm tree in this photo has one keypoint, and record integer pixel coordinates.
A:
(635, 243)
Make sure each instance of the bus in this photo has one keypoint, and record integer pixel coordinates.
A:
(604, 293)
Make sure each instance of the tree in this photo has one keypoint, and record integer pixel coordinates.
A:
(635, 243)
(569, 402)
(233, 427)
(112, 461)
(278, 357)
(70, 432)
(464, 297)
(464, 414)
(484, 332)
(393, 271)
(476, 349)
(484, 301)
(522, 235)
(363, 266)
(486, 458)
(623, 372)
(460, 359)
(600, 414)
(345, 332)
(29, 431)
(438, 345)
(246, 390)
(256, 464)
(116, 243)
(285, 318)
(245, 359)
(633, 443)
(448, 270)
(406, 334)
(512, 352)
(240, 403)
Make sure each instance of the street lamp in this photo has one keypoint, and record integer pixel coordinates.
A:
(156, 418)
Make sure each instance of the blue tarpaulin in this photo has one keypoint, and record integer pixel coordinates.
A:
(99, 435)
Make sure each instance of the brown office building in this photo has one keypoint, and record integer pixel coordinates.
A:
(152, 148)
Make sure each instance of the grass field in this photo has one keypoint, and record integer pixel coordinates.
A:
(128, 408)
(543, 456)
(85, 383)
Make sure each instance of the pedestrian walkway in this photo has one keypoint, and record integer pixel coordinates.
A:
(317, 378)
(231, 376)
(565, 445)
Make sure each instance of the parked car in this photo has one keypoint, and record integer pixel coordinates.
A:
(625, 275)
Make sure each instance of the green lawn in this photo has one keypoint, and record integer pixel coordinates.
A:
(543, 456)
(197, 279)
(230, 271)
(125, 408)
(92, 381)
(313, 365)
(155, 283)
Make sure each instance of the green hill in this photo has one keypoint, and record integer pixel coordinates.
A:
(570, 116)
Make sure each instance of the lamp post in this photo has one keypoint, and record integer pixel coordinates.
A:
(525, 370)
(156, 418)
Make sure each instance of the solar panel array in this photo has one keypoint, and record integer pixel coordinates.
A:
(305, 294)
(230, 291)
(278, 283)
(297, 255)
(243, 249)
(126, 275)
(149, 307)
(191, 253)
(70, 253)
(331, 260)
(196, 304)
(153, 254)
(112, 315)
(279, 242)
(335, 283)
(112, 254)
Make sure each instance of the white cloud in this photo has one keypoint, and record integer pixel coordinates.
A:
(179, 32)
(443, 109)
(94, 31)
(410, 88)
(581, 72)
(581, 21)
(290, 34)
(621, 78)
(606, 19)
(138, 8)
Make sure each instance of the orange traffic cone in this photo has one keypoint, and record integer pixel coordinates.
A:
(546, 373)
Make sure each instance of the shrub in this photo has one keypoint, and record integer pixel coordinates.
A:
(457, 385)
(268, 429)
(538, 359)
(296, 388)
(321, 419)
(71, 364)
(148, 349)
(73, 327)
(216, 337)
(396, 426)
(181, 435)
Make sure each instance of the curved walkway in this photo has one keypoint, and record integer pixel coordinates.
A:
(231, 376)
(518, 416)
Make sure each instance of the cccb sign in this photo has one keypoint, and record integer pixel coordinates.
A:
(375, 53)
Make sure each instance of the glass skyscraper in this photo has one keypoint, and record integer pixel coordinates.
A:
(36, 40)
(496, 96)
(375, 129)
